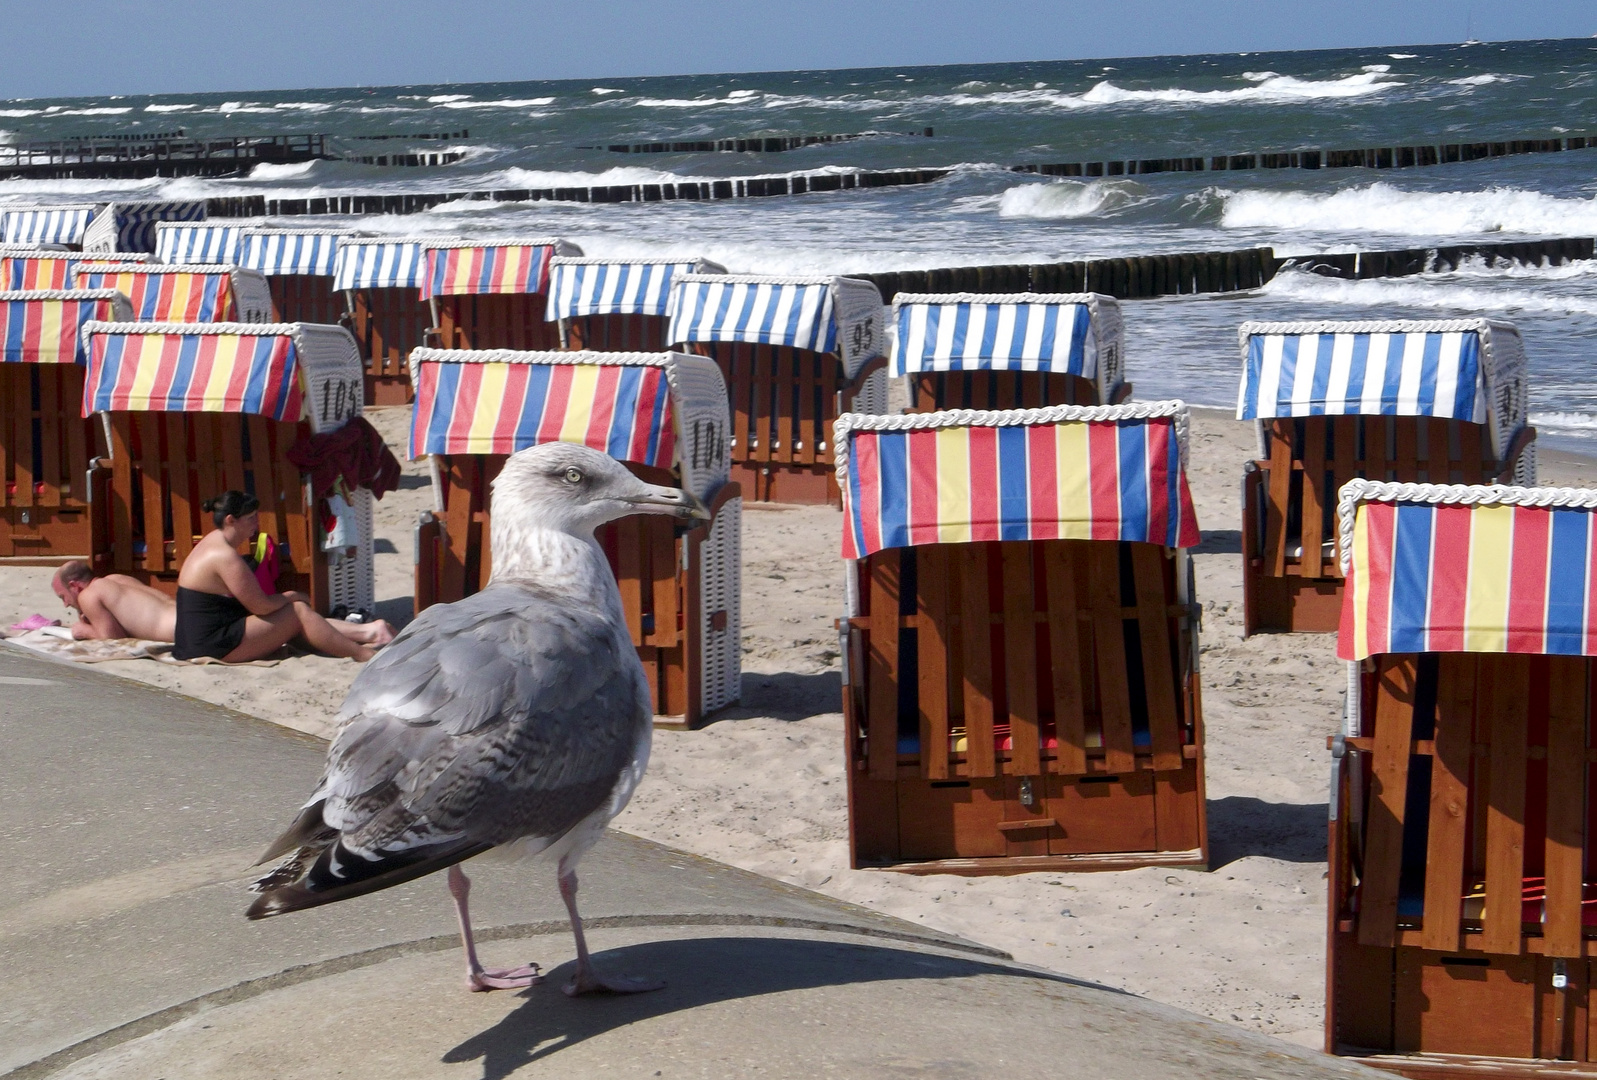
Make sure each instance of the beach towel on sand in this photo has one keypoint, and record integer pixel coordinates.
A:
(57, 642)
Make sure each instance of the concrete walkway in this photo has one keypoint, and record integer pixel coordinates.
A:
(132, 817)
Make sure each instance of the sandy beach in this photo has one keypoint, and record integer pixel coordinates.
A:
(763, 786)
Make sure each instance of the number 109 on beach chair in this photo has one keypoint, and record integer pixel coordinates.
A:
(1020, 684)
(1463, 903)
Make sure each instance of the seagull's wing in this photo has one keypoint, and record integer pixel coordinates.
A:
(503, 716)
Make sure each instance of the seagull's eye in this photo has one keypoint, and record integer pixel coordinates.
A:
(573, 475)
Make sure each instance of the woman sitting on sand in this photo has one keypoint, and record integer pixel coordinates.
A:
(222, 612)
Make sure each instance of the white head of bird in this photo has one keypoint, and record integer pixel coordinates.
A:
(548, 496)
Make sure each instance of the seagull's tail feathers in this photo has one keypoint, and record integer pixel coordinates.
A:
(324, 871)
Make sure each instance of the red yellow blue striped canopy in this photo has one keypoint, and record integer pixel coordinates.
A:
(42, 327)
(1061, 473)
(229, 368)
(513, 266)
(201, 294)
(1456, 568)
(498, 401)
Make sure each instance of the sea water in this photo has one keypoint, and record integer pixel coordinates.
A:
(985, 118)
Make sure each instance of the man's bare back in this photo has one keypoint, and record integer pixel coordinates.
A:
(120, 606)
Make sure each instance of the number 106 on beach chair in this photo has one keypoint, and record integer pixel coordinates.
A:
(1020, 685)
(1463, 909)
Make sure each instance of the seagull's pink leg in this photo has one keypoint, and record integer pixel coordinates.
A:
(478, 977)
(587, 980)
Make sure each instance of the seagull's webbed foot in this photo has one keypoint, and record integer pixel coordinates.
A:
(589, 981)
(516, 978)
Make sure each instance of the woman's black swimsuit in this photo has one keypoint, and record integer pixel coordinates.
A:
(207, 624)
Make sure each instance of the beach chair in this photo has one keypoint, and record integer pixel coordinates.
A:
(490, 294)
(1463, 905)
(616, 305)
(190, 410)
(1020, 680)
(99, 228)
(665, 416)
(186, 294)
(45, 442)
(298, 267)
(380, 281)
(796, 352)
(193, 242)
(30, 269)
(1008, 350)
(1434, 401)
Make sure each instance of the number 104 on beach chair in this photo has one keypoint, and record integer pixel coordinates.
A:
(1020, 685)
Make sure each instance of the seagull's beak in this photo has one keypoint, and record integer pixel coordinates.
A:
(682, 505)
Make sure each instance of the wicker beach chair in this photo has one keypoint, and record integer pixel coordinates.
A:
(185, 294)
(1462, 909)
(380, 281)
(98, 228)
(665, 416)
(46, 444)
(616, 305)
(1435, 401)
(1008, 350)
(795, 352)
(1020, 687)
(191, 410)
(491, 294)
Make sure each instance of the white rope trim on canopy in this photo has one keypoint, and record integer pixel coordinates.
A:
(425, 354)
(1052, 299)
(191, 329)
(114, 264)
(769, 279)
(512, 241)
(60, 294)
(1370, 326)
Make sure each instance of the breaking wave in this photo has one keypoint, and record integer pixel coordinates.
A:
(1383, 208)
(1066, 199)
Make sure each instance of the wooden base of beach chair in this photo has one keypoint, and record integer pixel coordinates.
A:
(45, 448)
(619, 333)
(495, 321)
(1002, 390)
(676, 627)
(306, 298)
(387, 324)
(1066, 734)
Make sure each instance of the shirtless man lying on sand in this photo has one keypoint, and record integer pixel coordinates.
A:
(114, 606)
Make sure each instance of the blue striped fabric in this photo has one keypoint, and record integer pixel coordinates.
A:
(193, 244)
(775, 312)
(379, 264)
(280, 252)
(136, 222)
(578, 288)
(45, 224)
(966, 336)
(1417, 373)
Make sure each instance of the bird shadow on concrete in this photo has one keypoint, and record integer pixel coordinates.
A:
(1240, 826)
(786, 695)
(701, 972)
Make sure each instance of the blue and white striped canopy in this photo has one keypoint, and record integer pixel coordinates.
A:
(45, 224)
(196, 243)
(770, 311)
(379, 264)
(279, 252)
(1327, 369)
(132, 226)
(614, 286)
(972, 334)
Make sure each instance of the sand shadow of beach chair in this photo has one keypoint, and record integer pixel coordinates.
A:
(1020, 685)
(380, 281)
(46, 444)
(665, 416)
(1413, 402)
(191, 410)
(183, 294)
(1008, 351)
(616, 305)
(491, 294)
(1462, 905)
(795, 352)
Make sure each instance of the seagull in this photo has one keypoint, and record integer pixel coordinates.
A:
(517, 720)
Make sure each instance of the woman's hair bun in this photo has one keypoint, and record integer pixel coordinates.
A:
(231, 504)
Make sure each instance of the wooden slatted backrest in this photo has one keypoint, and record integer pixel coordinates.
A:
(782, 401)
(1070, 655)
(999, 390)
(620, 333)
(305, 298)
(44, 440)
(1475, 827)
(165, 464)
(495, 321)
(387, 324)
(1300, 517)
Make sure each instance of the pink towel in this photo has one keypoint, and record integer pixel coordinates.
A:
(35, 622)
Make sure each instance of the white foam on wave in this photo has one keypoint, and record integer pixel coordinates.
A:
(20, 112)
(179, 107)
(1268, 86)
(507, 103)
(1068, 199)
(1383, 208)
(102, 110)
(1485, 80)
(287, 171)
(1563, 422)
(1385, 294)
(306, 106)
(244, 107)
(1403, 55)
(603, 90)
(439, 99)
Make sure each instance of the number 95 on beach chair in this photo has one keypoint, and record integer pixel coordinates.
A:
(194, 409)
(662, 414)
(1462, 904)
(1008, 350)
(1020, 684)
(1439, 402)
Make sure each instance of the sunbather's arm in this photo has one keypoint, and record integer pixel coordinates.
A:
(240, 581)
(95, 621)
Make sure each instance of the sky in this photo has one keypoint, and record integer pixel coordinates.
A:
(52, 48)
